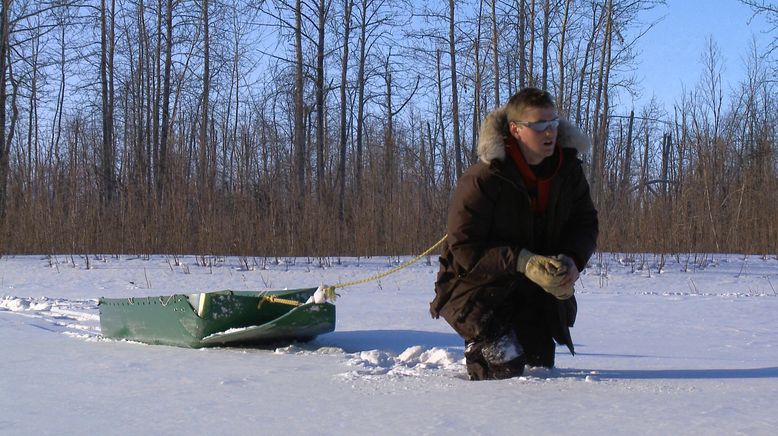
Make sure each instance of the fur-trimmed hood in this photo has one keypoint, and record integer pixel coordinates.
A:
(494, 129)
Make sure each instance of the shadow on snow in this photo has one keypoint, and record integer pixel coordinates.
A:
(677, 374)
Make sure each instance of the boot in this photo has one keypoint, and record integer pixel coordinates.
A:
(495, 359)
(477, 368)
(505, 356)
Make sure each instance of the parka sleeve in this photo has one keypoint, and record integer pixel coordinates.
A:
(580, 232)
(470, 218)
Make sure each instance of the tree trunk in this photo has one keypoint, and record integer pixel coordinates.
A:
(644, 165)
(343, 122)
(444, 144)
(454, 93)
(531, 55)
(148, 139)
(477, 84)
(202, 142)
(666, 156)
(4, 143)
(560, 97)
(389, 152)
(544, 55)
(361, 95)
(106, 80)
(496, 54)
(522, 43)
(139, 105)
(298, 167)
(56, 128)
(322, 15)
(626, 167)
(162, 172)
(579, 115)
(157, 105)
(605, 90)
(601, 109)
(386, 188)
(32, 123)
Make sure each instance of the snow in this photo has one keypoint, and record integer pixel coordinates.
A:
(665, 345)
(318, 297)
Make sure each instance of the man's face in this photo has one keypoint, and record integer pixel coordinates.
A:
(535, 145)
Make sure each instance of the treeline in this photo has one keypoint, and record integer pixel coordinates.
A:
(340, 127)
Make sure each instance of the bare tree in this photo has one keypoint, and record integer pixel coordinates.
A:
(323, 7)
(454, 91)
(5, 142)
(371, 18)
(521, 29)
(164, 141)
(447, 178)
(496, 54)
(205, 182)
(299, 162)
(477, 79)
(561, 54)
(626, 164)
(343, 126)
(546, 42)
(200, 91)
(588, 64)
(106, 80)
(531, 42)
(768, 9)
(599, 142)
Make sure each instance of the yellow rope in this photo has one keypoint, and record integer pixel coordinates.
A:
(330, 290)
(286, 301)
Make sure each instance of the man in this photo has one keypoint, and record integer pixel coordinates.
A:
(521, 225)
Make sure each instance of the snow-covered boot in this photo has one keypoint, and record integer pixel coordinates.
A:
(495, 359)
(477, 368)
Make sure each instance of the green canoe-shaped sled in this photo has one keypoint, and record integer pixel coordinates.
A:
(217, 318)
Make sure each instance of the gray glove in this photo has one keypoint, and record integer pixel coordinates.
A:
(548, 272)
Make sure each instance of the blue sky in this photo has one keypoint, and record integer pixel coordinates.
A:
(671, 52)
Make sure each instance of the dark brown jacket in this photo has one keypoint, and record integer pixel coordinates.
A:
(490, 220)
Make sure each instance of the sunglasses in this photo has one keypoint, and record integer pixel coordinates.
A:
(540, 126)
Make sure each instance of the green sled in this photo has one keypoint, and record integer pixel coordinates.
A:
(217, 318)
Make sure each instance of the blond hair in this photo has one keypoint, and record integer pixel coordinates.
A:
(527, 97)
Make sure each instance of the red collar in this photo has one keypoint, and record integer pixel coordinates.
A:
(538, 189)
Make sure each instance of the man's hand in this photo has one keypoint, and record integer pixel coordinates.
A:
(548, 272)
(565, 289)
(572, 270)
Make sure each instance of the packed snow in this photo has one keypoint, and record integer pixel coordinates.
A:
(683, 344)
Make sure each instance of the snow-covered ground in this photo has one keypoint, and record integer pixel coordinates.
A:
(690, 350)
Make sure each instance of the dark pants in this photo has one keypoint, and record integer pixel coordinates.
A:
(534, 319)
(539, 346)
(528, 321)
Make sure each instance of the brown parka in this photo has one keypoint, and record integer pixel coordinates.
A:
(490, 220)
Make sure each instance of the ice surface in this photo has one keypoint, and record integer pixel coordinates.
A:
(666, 345)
